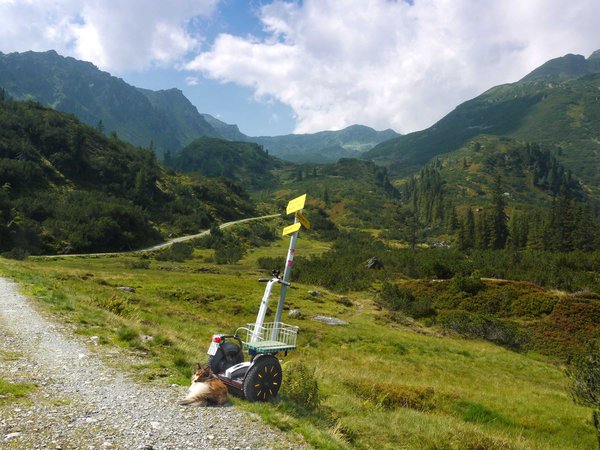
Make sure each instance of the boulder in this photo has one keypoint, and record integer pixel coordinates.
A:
(373, 263)
(126, 288)
(294, 314)
(330, 320)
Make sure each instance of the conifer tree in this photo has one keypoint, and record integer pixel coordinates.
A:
(499, 230)
(483, 232)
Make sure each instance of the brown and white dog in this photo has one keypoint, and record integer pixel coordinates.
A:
(206, 389)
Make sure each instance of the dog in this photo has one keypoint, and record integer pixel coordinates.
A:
(206, 389)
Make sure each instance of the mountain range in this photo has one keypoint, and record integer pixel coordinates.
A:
(537, 133)
(163, 120)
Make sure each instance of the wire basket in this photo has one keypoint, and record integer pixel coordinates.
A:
(270, 337)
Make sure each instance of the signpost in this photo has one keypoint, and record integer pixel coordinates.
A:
(294, 206)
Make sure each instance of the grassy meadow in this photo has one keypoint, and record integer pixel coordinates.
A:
(383, 384)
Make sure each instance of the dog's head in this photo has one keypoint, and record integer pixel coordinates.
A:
(202, 374)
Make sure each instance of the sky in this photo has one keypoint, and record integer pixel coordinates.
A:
(277, 67)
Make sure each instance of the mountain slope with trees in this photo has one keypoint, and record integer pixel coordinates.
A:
(550, 109)
(164, 119)
(245, 162)
(65, 187)
(499, 193)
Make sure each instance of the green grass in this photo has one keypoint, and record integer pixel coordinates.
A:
(381, 384)
(13, 392)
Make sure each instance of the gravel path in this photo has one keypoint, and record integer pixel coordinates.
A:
(82, 403)
(189, 237)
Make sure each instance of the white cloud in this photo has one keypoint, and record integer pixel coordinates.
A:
(388, 63)
(115, 35)
(192, 81)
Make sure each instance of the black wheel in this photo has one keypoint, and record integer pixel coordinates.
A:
(227, 355)
(263, 379)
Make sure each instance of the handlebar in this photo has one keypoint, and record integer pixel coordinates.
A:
(276, 280)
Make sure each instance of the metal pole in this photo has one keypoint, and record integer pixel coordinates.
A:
(262, 312)
(287, 273)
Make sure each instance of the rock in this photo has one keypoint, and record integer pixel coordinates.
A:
(373, 263)
(294, 314)
(126, 288)
(330, 320)
(10, 436)
(315, 293)
(147, 338)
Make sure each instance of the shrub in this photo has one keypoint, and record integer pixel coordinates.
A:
(301, 385)
(572, 323)
(178, 252)
(533, 305)
(16, 253)
(394, 297)
(584, 373)
(137, 264)
(442, 271)
(502, 332)
(229, 252)
(270, 263)
(257, 234)
(470, 285)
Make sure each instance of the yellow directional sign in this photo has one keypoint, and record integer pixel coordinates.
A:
(296, 204)
(303, 220)
(291, 229)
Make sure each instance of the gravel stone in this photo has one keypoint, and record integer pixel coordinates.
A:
(81, 402)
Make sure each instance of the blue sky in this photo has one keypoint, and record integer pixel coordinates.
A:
(276, 67)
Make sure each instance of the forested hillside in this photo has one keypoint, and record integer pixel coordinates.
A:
(66, 187)
(165, 119)
(499, 193)
(553, 107)
(245, 162)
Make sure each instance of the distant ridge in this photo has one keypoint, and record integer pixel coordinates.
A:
(555, 105)
(565, 67)
(164, 120)
(325, 146)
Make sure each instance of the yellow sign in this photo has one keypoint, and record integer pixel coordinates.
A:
(296, 204)
(291, 229)
(303, 220)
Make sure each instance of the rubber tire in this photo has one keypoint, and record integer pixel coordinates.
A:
(228, 355)
(263, 379)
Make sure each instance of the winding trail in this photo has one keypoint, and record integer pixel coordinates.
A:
(164, 244)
